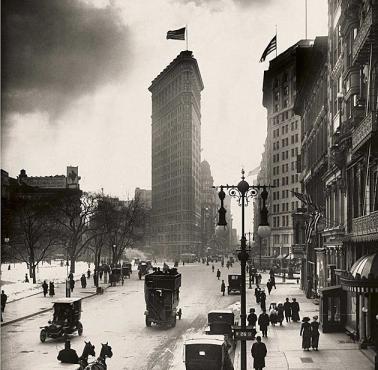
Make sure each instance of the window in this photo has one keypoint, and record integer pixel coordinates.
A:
(296, 138)
(292, 152)
(276, 239)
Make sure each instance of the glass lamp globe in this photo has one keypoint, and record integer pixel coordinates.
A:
(264, 231)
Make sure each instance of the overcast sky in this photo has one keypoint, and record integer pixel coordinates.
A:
(75, 77)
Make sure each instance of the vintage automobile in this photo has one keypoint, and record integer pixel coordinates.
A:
(220, 322)
(209, 352)
(143, 269)
(66, 319)
(162, 295)
(234, 284)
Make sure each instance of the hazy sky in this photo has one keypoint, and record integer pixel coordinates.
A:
(75, 78)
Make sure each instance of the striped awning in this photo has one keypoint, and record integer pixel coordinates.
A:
(364, 277)
(365, 266)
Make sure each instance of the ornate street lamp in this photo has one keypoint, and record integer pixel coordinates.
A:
(243, 192)
(264, 229)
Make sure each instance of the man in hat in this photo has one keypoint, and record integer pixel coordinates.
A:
(287, 309)
(264, 323)
(252, 318)
(315, 333)
(68, 355)
(258, 352)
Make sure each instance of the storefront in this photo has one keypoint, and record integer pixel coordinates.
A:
(361, 285)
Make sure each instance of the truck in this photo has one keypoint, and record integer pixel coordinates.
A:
(162, 296)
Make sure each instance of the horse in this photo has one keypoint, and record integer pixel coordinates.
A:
(99, 364)
(88, 350)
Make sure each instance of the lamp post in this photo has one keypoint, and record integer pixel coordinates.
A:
(264, 229)
(242, 192)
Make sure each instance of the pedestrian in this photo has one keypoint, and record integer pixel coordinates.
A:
(252, 318)
(273, 315)
(264, 323)
(223, 287)
(218, 274)
(295, 310)
(263, 300)
(88, 273)
(212, 268)
(315, 333)
(83, 281)
(258, 352)
(45, 288)
(259, 279)
(257, 294)
(271, 272)
(273, 281)
(306, 333)
(253, 277)
(72, 283)
(280, 313)
(287, 309)
(51, 289)
(4, 298)
(68, 355)
(9, 267)
(26, 278)
(269, 286)
(101, 272)
(95, 279)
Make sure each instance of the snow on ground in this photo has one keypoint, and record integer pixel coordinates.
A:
(13, 280)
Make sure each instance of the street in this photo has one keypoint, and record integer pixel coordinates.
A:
(117, 317)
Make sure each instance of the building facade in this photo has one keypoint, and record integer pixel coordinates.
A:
(311, 106)
(208, 206)
(283, 144)
(176, 157)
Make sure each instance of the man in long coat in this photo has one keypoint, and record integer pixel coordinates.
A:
(264, 323)
(258, 352)
(287, 309)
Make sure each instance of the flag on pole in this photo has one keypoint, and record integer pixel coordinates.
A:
(271, 46)
(176, 34)
(255, 171)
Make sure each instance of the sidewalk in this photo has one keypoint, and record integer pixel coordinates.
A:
(284, 344)
(35, 304)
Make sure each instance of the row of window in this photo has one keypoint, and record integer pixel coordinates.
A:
(284, 194)
(285, 239)
(285, 180)
(284, 219)
(282, 117)
(285, 207)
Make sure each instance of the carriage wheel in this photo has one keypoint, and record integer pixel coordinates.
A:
(79, 328)
(148, 322)
(43, 335)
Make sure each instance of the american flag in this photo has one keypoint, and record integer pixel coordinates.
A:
(271, 46)
(176, 34)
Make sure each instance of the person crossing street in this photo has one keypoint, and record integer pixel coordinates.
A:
(218, 274)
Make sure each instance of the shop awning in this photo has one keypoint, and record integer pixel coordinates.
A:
(366, 266)
(363, 276)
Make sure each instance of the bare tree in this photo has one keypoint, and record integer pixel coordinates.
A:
(74, 213)
(121, 222)
(34, 233)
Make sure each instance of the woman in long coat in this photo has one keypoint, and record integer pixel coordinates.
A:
(263, 300)
(315, 333)
(306, 333)
(51, 289)
(295, 310)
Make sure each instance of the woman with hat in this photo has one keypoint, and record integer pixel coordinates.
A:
(315, 333)
(306, 333)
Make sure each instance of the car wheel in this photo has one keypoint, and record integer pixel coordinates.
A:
(43, 335)
(79, 328)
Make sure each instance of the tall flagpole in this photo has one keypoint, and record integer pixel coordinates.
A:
(276, 42)
(187, 37)
(306, 19)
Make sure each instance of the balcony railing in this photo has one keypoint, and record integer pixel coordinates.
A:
(366, 33)
(364, 130)
(365, 225)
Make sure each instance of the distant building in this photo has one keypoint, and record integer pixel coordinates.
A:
(208, 205)
(145, 197)
(283, 144)
(176, 157)
(71, 181)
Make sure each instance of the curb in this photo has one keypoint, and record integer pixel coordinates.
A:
(40, 312)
